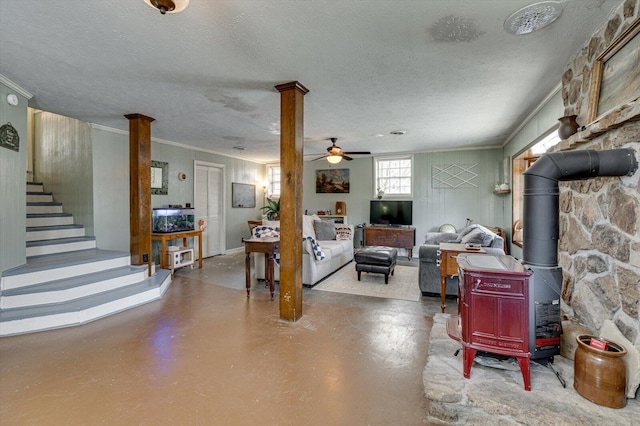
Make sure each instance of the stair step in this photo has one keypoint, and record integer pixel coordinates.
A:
(35, 187)
(67, 289)
(46, 207)
(49, 219)
(83, 310)
(39, 197)
(41, 269)
(39, 233)
(60, 245)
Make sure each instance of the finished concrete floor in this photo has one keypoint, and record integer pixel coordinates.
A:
(205, 355)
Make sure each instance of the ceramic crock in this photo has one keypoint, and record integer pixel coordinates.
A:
(600, 375)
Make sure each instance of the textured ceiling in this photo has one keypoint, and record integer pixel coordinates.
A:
(443, 70)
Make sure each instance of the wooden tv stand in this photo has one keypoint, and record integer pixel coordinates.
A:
(391, 236)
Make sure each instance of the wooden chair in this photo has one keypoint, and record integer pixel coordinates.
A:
(252, 224)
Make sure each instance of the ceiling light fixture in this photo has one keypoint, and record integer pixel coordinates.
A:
(533, 17)
(334, 159)
(168, 6)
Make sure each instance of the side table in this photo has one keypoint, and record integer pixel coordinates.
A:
(448, 263)
(270, 247)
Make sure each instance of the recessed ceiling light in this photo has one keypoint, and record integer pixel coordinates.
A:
(240, 147)
(378, 135)
(398, 132)
(533, 17)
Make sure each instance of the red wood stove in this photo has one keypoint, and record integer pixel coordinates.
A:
(493, 310)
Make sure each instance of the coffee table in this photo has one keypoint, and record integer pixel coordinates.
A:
(448, 263)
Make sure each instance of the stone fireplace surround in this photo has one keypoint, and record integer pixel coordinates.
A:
(599, 246)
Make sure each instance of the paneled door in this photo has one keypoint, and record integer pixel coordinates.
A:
(209, 206)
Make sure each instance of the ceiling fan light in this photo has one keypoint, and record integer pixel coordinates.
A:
(334, 159)
(168, 6)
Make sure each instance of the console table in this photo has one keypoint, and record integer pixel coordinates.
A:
(390, 236)
(163, 237)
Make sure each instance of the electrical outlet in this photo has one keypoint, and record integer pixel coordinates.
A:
(145, 257)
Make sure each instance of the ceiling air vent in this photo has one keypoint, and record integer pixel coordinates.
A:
(533, 17)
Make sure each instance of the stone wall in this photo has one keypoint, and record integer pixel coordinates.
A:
(599, 247)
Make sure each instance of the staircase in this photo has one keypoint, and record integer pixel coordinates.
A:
(67, 280)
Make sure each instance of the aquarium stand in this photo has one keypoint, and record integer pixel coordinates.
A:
(164, 237)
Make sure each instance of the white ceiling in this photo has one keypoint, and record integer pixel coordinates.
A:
(207, 74)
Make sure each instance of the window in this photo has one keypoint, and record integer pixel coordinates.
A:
(393, 175)
(273, 177)
(521, 163)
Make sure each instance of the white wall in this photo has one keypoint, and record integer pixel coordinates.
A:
(13, 195)
(181, 159)
(545, 120)
(63, 163)
(111, 189)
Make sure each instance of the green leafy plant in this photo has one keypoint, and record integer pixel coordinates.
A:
(272, 209)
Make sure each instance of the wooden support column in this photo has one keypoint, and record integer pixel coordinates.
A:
(140, 188)
(291, 152)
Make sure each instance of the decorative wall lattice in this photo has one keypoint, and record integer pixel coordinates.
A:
(453, 176)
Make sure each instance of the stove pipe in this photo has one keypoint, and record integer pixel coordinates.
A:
(541, 195)
(541, 233)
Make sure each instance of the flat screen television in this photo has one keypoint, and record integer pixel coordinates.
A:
(391, 212)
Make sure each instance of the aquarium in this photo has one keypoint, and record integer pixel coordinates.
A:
(167, 219)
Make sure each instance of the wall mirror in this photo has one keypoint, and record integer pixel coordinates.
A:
(159, 177)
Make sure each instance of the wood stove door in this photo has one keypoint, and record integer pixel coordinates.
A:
(498, 314)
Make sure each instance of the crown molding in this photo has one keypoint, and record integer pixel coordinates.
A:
(533, 113)
(13, 86)
(172, 143)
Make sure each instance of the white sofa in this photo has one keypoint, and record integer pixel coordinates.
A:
(337, 253)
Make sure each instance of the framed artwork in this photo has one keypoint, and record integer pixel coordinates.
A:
(332, 181)
(159, 177)
(243, 195)
(615, 77)
(9, 137)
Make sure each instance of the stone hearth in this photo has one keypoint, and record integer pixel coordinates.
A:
(494, 396)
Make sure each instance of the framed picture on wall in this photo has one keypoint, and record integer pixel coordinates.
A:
(332, 181)
(159, 177)
(243, 195)
(615, 77)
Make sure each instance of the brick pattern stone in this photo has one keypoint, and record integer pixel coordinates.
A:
(599, 247)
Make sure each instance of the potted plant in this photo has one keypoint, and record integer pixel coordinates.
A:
(272, 209)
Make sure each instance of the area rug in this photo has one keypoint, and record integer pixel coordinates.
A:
(403, 284)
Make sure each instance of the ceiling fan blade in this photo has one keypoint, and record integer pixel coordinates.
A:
(346, 157)
(358, 152)
(320, 158)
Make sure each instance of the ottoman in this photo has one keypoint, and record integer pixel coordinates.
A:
(381, 260)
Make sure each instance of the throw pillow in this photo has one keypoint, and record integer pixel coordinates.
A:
(474, 237)
(464, 232)
(275, 224)
(489, 236)
(325, 230)
(307, 226)
(343, 232)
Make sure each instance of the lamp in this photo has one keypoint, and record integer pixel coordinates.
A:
(265, 194)
(168, 6)
(334, 159)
